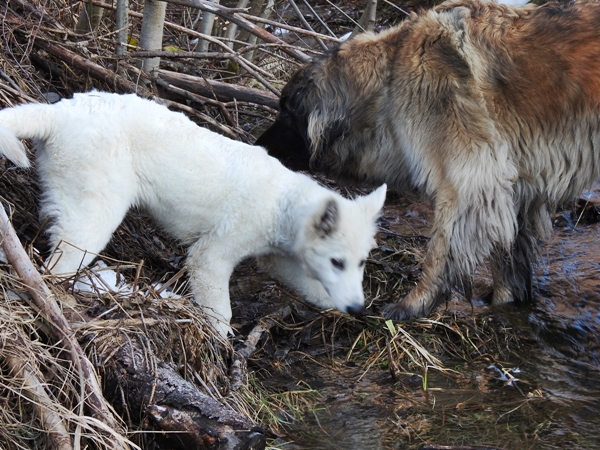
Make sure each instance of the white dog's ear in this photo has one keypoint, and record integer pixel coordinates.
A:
(373, 203)
(325, 220)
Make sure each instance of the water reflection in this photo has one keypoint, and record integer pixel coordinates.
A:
(555, 404)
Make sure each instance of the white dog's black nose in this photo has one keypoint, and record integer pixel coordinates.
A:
(356, 310)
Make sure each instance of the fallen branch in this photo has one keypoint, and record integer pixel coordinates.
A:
(166, 402)
(222, 91)
(234, 16)
(34, 388)
(168, 54)
(40, 15)
(198, 99)
(208, 88)
(457, 447)
(120, 83)
(46, 303)
(85, 65)
(239, 365)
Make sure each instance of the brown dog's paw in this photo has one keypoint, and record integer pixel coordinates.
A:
(401, 311)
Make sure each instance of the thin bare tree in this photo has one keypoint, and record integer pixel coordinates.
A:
(367, 20)
(152, 32)
(206, 27)
(122, 23)
(89, 18)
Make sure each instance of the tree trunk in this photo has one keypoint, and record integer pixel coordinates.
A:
(367, 20)
(232, 27)
(122, 22)
(206, 27)
(89, 18)
(152, 33)
(260, 8)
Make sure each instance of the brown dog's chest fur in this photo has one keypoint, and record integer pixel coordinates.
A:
(493, 112)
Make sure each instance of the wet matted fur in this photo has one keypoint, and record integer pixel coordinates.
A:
(490, 111)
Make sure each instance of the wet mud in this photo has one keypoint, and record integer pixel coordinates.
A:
(537, 387)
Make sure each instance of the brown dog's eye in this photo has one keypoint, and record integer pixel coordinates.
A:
(338, 263)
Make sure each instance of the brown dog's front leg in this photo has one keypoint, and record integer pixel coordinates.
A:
(435, 284)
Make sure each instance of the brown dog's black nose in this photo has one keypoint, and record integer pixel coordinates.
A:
(356, 310)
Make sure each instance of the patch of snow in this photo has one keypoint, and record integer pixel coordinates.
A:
(100, 279)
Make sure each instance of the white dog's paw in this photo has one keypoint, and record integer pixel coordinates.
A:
(222, 328)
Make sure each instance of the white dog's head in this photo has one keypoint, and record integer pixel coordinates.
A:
(336, 242)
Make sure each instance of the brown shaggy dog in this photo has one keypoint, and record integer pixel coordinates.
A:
(490, 111)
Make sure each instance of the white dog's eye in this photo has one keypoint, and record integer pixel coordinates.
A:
(338, 263)
(362, 263)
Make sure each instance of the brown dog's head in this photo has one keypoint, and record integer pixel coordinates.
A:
(328, 107)
(301, 129)
(287, 138)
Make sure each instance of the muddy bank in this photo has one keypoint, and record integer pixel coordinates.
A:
(513, 377)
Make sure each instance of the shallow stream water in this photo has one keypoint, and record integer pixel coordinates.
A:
(548, 397)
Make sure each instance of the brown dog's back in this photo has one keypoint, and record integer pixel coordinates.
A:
(490, 111)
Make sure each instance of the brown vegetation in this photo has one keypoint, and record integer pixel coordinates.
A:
(119, 370)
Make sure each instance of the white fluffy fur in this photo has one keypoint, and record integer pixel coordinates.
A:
(99, 154)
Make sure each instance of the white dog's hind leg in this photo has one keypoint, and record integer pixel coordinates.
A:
(82, 225)
(209, 274)
(289, 271)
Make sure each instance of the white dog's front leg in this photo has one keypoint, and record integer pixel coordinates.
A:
(209, 278)
(289, 271)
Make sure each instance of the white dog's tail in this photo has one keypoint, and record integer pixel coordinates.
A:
(12, 148)
(22, 122)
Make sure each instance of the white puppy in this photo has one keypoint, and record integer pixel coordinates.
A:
(99, 154)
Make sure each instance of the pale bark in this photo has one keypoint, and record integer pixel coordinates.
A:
(152, 33)
(89, 18)
(232, 27)
(206, 27)
(122, 21)
(33, 386)
(259, 8)
(367, 20)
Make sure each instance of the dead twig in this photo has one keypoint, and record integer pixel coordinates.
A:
(292, 3)
(239, 365)
(46, 302)
(33, 386)
(234, 16)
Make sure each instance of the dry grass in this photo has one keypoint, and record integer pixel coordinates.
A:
(170, 329)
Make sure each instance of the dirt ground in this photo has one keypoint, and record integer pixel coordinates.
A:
(513, 378)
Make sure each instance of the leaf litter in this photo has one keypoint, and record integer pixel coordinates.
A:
(458, 377)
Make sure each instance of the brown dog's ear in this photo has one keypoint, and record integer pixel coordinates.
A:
(327, 220)
(287, 139)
